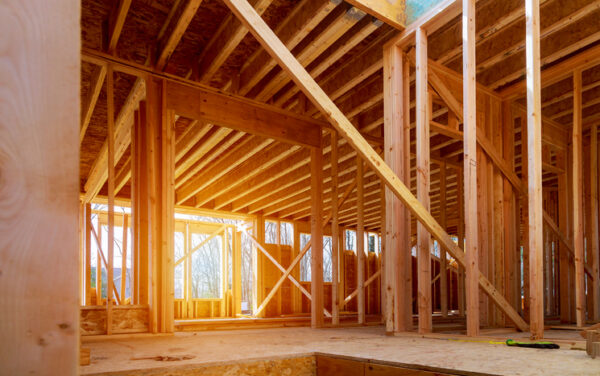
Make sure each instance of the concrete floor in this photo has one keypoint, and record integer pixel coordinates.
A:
(218, 347)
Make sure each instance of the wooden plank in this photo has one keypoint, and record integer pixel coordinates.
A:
(335, 236)
(390, 12)
(423, 111)
(470, 168)
(115, 24)
(270, 42)
(242, 114)
(316, 238)
(40, 75)
(360, 239)
(578, 223)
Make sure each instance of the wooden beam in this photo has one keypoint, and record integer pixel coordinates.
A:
(360, 239)
(390, 12)
(470, 167)
(423, 184)
(534, 170)
(267, 38)
(115, 24)
(577, 168)
(316, 238)
(245, 115)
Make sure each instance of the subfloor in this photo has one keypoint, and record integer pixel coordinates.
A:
(219, 347)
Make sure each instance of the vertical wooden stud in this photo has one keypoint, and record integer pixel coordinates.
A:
(360, 239)
(470, 167)
(316, 218)
(335, 318)
(110, 113)
(423, 237)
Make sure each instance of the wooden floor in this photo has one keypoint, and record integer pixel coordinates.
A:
(453, 354)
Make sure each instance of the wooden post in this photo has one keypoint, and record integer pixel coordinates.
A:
(39, 149)
(360, 239)
(470, 167)
(236, 278)
(110, 113)
(578, 223)
(316, 226)
(443, 260)
(88, 254)
(461, 242)
(398, 306)
(335, 315)
(534, 172)
(124, 259)
(594, 236)
(404, 289)
(423, 237)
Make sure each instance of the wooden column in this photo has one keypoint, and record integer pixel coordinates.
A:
(594, 236)
(316, 226)
(335, 253)
(461, 242)
(360, 239)
(39, 169)
(534, 169)
(160, 126)
(578, 222)
(443, 260)
(88, 253)
(470, 167)
(110, 140)
(124, 258)
(423, 237)
(404, 295)
(398, 305)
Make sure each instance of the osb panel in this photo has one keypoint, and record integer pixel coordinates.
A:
(130, 320)
(300, 366)
(93, 321)
(125, 320)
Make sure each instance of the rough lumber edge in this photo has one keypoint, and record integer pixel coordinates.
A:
(311, 89)
(39, 180)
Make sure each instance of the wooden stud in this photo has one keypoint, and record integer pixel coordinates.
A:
(594, 236)
(423, 237)
(534, 165)
(88, 254)
(110, 113)
(578, 223)
(360, 239)
(470, 167)
(316, 284)
(335, 318)
(443, 259)
(124, 258)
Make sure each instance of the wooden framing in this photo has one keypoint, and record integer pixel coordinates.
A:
(534, 172)
(270, 42)
(316, 263)
(470, 168)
